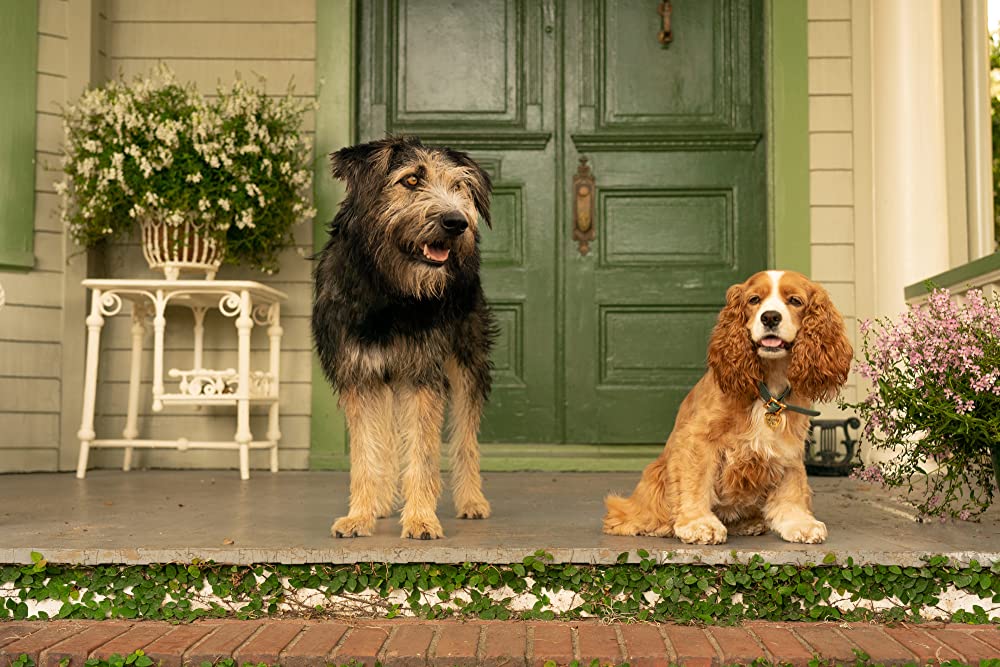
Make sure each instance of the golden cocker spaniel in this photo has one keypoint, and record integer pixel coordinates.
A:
(734, 461)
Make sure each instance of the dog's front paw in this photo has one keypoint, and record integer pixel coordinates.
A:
(808, 531)
(352, 526)
(422, 529)
(473, 508)
(706, 530)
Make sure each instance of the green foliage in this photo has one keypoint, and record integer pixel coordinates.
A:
(645, 591)
(935, 399)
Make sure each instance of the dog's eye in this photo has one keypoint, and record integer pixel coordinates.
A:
(411, 181)
(795, 301)
(754, 300)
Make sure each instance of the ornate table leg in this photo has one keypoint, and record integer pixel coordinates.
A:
(274, 334)
(95, 321)
(244, 325)
(159, 324)
(131, 431)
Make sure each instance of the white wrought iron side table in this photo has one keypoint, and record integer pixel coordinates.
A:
(247, 301)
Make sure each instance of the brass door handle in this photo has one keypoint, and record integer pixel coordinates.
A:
(583, 206)
(666, 34)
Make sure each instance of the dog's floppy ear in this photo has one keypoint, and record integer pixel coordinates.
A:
(731, 354)
(822, 355)
(479, 183)
(355, 164)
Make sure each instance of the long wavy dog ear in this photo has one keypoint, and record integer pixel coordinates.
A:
(479, 183)
(731, 354)
(822, 355)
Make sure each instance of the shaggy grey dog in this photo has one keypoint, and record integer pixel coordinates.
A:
(401, 324)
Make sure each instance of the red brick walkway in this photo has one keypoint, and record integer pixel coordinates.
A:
(412, 643)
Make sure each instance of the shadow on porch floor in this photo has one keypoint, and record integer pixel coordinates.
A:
(170, 516)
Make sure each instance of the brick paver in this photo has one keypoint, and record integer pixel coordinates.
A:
(921, 644)
(222, 643)
(737, 645)
(965, 644)
(315, 640)
(871, 640)
(779, 640)
(600, 642)
(409, 645)
(140, 635)
(644, 646)
(168, 650)
(692, 646)
(415, 643)
(79, 647)
(457, 646)
(826, 641)
(362, 644)
(266, 645)
(505, 645)
(552, 641)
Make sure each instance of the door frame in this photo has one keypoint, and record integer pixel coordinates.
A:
(786, 76)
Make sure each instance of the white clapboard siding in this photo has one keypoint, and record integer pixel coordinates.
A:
(209, 43)
(30, 323)
(831, 161)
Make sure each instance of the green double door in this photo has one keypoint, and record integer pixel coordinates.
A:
(606, 276)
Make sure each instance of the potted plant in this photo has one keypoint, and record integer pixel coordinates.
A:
(206, 181)
(935, 402)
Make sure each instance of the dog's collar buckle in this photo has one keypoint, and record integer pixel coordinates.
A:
(774, 406)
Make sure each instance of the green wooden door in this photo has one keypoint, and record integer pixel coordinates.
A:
(595, 348)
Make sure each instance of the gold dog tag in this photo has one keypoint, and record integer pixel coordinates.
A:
(772, 419)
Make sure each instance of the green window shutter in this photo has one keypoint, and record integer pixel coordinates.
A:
(18, 63)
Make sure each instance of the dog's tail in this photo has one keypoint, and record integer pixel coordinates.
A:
(627, 516)
(619, 509)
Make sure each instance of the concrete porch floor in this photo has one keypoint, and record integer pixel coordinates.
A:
(169, 516)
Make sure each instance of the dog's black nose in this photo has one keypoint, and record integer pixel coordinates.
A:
(770, 318)
(454, 223)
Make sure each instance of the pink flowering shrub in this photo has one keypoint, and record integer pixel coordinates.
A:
(935, 397)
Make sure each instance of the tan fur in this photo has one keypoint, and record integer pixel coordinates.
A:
(370, 420)
(470, 503)
(421, 421)
(446, 189)
(724, 470)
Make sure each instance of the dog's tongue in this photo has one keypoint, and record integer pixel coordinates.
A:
(436, 254)
(771, 341)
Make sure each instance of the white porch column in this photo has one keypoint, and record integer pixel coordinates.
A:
(910, 204)
(978, 130)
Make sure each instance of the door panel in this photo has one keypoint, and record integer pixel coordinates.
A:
(469, 75)
(601, 347)
(673, 140)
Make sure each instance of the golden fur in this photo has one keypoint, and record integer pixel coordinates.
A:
(723, 469)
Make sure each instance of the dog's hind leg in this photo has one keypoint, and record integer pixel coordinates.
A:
(370, 422)
(466, 410)
(422, 415)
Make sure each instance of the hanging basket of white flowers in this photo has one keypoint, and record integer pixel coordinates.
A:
(208, 181)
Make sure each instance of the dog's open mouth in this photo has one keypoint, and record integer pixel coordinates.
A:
(435, 253)
(773, 344)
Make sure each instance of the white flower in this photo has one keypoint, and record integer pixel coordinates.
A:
(224, 203)
(194, 178)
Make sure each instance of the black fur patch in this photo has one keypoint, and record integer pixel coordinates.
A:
(366, 328)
